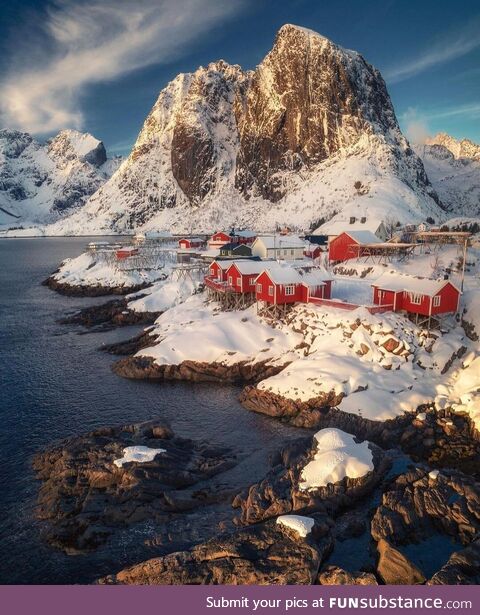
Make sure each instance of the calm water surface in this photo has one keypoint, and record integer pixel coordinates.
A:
(55, 383)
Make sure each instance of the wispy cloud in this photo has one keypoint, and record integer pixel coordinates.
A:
(415, 126)
(416, 123)
(449, 47)
(96, 41)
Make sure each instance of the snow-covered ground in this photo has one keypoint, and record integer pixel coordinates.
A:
(87, 270)
(162, 295)
(197, 330)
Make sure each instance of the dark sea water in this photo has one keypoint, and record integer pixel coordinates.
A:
(55, 383)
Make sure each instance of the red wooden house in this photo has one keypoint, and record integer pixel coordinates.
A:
(126, 252)
(313, 251)
(283, 285)
(218, 270)
(187, 243)
(416, 295)
(241, 275)
(349, 244)
(219, 239)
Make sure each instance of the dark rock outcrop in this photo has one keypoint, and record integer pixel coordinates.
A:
(396, 569)
(443, 439)
(145, 368)
(333, 575)
(279, 492)
(131, 346)
(266, 554)
(91, 291)
(114, 313)
(85, 496)
(418, 506)
(463, 568)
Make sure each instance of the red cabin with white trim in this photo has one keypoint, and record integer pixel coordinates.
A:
(313, 251)
(217, 270)
(187, 243)
(280, 285)
(241, 275)
(126, 252)
(416, 295)
(348, 244)
(218, 239)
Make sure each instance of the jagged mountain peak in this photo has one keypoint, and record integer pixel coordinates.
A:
(70, 144)
(40, 182)
(460, 148)
(289, 139)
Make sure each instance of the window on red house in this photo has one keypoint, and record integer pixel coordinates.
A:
(290, 290)
(416, 298)
(259, 288)
(270, 291)
(436, 301)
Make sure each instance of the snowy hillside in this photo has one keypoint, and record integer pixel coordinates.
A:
(310, 132)
(453, 167)
(40, 183)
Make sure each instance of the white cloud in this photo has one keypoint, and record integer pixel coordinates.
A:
(92, 42)
(416, 126)
(455, 45)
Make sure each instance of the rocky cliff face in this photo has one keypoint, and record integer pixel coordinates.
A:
(453, 167)
(224, 146)
(41, 182)
(308, 99)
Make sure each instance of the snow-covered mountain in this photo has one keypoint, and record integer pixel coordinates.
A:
(453, 167)
(40, 183)
(309, 133)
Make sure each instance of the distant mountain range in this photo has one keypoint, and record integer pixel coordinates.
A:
(309, 134)
(41, 183)
(453, 167)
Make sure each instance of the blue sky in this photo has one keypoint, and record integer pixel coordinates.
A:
(98, 65)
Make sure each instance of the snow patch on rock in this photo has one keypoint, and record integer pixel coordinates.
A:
(337, 456)
(138, 454)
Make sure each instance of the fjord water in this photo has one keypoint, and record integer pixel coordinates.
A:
(55, 384)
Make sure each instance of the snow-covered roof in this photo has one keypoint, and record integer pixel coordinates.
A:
(224, 264)
(245, 233)
(363, 237)
(338, 226)
(249, 267)
(191, 239)
(272, 242)
(286, 274)
(405, 283)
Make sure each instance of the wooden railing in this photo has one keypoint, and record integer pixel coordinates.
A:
(218, 285)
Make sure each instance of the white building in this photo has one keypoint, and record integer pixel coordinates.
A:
(279, 247)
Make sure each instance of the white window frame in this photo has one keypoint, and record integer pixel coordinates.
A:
(289, 290)
(239, 281)
(437, 300)
(270, 291)
(230, 280)
(416, 298)
(259, 288)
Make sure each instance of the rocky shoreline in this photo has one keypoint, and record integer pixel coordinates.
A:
(443, 438)
(75, 290)
(85, 495)
(145, 368)
(114, 313)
